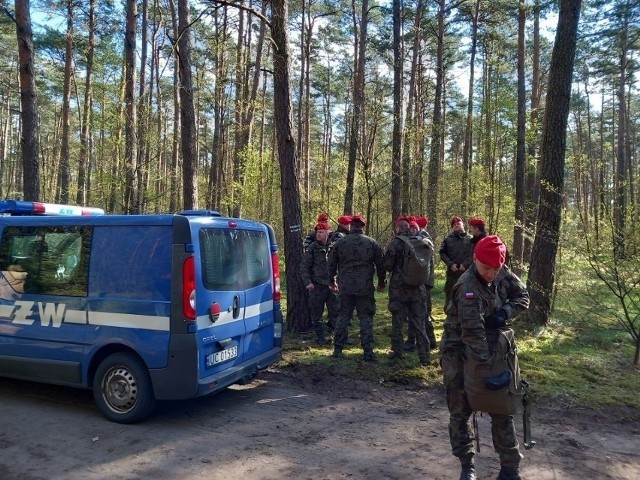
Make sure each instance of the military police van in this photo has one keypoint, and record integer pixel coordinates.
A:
(138, 308)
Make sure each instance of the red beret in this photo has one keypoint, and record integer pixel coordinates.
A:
(490, 251)
(414, 224)
(344, 219)
(321, 226)
(323, 217)
(358, 218)
(422, 222)
(455, 219)
(476, 222)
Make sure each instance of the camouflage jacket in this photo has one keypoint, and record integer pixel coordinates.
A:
(314, 266)
(512, 293)
(355, 258)
(472, 300)
(456, 248)
(393, 262)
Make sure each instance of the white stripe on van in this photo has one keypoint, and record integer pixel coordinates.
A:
(126, 320)
(6, 311)
(227, 317)
(75, 316)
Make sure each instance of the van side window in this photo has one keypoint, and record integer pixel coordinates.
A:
(54, 258)
(131, 262)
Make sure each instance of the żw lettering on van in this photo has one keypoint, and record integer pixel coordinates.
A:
(50, 313)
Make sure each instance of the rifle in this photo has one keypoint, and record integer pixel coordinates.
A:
(526, 416)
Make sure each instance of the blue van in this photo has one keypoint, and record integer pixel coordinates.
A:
(137, 307)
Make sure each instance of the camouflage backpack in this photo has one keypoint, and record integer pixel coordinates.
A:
(416, 264)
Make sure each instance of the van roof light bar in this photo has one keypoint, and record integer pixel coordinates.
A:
(21, 207)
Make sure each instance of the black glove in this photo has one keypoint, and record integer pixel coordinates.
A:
(497, 319)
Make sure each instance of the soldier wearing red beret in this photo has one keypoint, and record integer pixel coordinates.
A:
(478, 309)
(455, 252)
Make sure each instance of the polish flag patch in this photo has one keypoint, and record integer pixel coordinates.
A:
(469, 295)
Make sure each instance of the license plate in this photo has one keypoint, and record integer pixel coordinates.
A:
(222, 356)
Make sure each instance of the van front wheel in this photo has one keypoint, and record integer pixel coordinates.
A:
(122, 388)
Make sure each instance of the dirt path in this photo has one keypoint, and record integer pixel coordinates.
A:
(281, 426)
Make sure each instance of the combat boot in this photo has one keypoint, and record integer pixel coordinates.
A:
(509, 473)
(337, 352)
(468, 472)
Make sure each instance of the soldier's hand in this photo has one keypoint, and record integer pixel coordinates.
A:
(310, 287)
(454, 267)
(497, 319)
(462, 269)
(333, 287)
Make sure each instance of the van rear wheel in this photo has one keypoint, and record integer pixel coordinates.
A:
(122, 388)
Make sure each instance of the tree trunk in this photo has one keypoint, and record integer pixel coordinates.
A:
(355, 140)
(84, 173)
(187, 113)
(543, 256)
(131, 137)
(436, 128)
(521, 156)
(532, 190)
(297, 311)
(28, 102)
(174, 195)
(64, 173)
(399, 187)
(621, 183)
(467, 157)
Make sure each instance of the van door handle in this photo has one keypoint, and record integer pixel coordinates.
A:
(236, 306)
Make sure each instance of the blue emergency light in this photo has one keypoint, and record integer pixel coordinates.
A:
(21, 207)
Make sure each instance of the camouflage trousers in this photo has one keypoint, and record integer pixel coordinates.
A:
(413, 312)
(365, 306)
(320, 296)
(428, 324)
(461, 434)
(452, 278)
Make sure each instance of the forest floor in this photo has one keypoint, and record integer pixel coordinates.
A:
(293, 423)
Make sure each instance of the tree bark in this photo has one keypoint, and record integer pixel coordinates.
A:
(28, 102)
(187, 113)
(543, 256)
(436, 128)
(83, 193)
(297, 311)
(399, 187)
(521, 155)
(131, 137)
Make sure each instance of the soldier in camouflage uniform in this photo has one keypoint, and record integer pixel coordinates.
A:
(470, 331)
(455, 252)
(410, 343)
(354, 259)
(406, 302)
(314, 271)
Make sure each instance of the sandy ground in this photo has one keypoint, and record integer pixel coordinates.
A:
(284, 426)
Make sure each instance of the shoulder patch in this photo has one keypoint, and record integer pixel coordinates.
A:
(469, 295)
